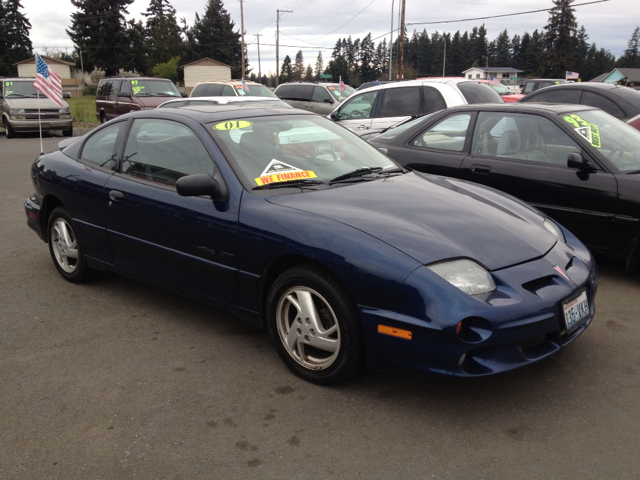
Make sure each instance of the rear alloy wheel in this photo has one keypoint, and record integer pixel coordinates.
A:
(64, 247)
(8, 129)
(315, 326)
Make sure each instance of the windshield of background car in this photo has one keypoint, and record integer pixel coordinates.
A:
(501, 89)
(613, 138)
(255, 91)
(13, 89)
(154, 88)
(335, 91)
(475, 92)
(296, 147)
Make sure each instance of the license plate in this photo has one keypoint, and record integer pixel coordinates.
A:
(576, 311)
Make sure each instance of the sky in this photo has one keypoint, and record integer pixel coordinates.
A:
(313, 24)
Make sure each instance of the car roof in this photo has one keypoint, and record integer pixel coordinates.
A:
(333, 84)
(229, 82)
(223, 100)
(554, 108)
(211, 113)
(127, 77)
(451, 81)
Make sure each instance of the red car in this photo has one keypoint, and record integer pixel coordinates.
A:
(507, 95)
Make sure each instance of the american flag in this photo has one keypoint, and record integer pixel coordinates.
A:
(342, 87)
(493, 80)
(48, 81)
(245, 87)
(572, 75)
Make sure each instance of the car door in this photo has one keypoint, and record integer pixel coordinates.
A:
(186, 242)
(356, 112)
(526, 155)
(396, 105)
(440, 148)
(124, 104)
(112, 99)
(322, 101)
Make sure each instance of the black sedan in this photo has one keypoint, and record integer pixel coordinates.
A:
(619, 101)
(578, 164)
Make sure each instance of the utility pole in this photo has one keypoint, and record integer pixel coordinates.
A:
(444, 62)
(391, 44)
(278, 12)
(401, 46)
(259, 69)
(242, 30)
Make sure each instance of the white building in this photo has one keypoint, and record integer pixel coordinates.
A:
(203, 70)
(506, 75)
(71, 77)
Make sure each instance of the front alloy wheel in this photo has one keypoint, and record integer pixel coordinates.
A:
(315, 325)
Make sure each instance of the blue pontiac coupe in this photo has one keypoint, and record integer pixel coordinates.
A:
(295, 224)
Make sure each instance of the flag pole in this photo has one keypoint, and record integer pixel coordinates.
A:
(40, 123)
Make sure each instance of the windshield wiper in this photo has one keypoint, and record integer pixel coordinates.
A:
(358, 172)
(291, 183)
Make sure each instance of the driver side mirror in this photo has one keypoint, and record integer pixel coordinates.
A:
(327, 100)
(200, 184)
(575, 160)
(334, 115)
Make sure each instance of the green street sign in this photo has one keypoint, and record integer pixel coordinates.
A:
(515, 78)
(326, 75)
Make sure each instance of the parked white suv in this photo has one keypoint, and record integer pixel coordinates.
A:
(377, 108)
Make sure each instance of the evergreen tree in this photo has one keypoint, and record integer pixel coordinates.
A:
(337, 68)
(631, 56)
(286, 72)
(516, 53)
(368, 70)
(382, 59)
(163, 33)
(137, 59)
(597, 62)
(298, 67)
(308, 74)
(559, 41)
(98, 29)
(213, 36)
(455, 57)
(581, 49)
(503, 56)
(319, 66)
(15, 44)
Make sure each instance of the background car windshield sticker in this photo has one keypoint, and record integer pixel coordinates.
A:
(278, 171)
(585, 129)
(232, 125)
(136, 89)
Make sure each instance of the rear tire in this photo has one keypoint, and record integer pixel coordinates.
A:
(65, 248)
(8, 129)
(315, 326)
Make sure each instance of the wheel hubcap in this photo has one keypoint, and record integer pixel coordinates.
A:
(308, 328)
(64, 245)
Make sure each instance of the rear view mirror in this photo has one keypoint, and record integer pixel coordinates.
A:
(575, 160)
(200, 184)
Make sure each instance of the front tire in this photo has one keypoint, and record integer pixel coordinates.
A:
(8, 129)
(315, 326)
(103, 117)
(65, 249)
(68, 133)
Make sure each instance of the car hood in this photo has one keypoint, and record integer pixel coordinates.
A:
(433, 218)
(33, 103)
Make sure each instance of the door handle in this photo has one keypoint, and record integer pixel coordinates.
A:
(363, 127)
(116, 195)
(483, 169)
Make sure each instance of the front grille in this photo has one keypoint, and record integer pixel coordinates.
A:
(42, 110)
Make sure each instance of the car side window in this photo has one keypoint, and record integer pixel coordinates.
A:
(359, 106)
(603, 103)
(124, 87)
(433, 100)
(400, 102)
(162, 151)
(101, 148)
(521, 137)
(528, 87)
(302, 93)
(448, 134)
(285, 92)
(559, 95)
(115, 87)
(320, 95)
(227, 91)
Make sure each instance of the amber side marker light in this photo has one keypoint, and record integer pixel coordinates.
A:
(458, 328)
(395, 332)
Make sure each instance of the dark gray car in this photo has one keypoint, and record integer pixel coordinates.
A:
(321, 98)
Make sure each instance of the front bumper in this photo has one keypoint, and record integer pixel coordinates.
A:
(520, 323)
(47, 125)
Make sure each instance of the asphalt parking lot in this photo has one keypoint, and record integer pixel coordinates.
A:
(116, 379)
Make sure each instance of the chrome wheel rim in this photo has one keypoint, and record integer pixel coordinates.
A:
(308, 328)
(64, 245)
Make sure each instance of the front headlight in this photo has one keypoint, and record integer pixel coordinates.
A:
(17, 111)
(553, 228)
(466, 275)
(63, 110)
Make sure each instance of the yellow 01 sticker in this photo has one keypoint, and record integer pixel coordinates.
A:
(285, 177)
(232, 125)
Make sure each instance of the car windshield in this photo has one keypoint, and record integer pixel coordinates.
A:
(501, 89)
(255, 90)
(274, 149)
(341, 96)
(613, 138)
(14, 89)
(154, 88)
(396, 130)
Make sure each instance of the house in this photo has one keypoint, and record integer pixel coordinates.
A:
(626, 76)
(71, 77)
(506, 75)
(203, 70)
